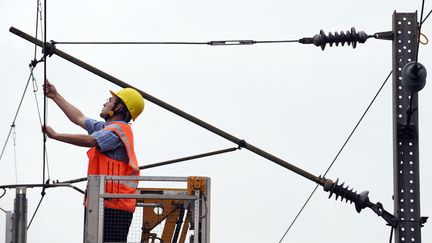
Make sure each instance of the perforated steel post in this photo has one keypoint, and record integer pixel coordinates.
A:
(405, 133)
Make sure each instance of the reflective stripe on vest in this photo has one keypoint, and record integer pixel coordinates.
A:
(100, 164)
(118, 129)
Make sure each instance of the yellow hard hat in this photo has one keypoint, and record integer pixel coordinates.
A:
(132, 99)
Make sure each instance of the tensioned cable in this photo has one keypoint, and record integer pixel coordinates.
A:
(391, 234)
(211, 43)
(419, 31)
(44, 157)
(173, 161)
(427, 16)
(337, 155)
(15, 156)
(416, 60)
(35, 89)
(3, 209)
(16, 115)
(38, 18)
(188, 158)
(45, 96)
(4, 192)
(34, 214)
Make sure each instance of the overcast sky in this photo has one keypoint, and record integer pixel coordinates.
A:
(294, 101)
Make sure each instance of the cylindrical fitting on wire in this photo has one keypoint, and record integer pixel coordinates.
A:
(414, 76)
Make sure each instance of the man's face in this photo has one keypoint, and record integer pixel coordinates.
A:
(107, 106)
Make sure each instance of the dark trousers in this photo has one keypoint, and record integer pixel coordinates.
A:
(116, 225)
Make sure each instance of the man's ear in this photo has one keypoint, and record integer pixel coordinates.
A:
(119, 107)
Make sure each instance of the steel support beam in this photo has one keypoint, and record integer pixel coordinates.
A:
(405, 133)
(241, 143)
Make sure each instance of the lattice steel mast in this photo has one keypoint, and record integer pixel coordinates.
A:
(408, 78)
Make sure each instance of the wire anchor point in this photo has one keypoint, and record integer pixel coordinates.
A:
(49, 48)
(361, 200)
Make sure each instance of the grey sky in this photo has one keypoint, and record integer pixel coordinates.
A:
(295, 101)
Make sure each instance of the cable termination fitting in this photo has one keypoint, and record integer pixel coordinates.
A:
(49, 49)
(361, 200)
(349, 37)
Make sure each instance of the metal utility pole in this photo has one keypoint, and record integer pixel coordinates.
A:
(9, 227)
(405, 129)
(20, 216)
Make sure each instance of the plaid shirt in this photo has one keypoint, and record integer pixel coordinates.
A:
(107, 141)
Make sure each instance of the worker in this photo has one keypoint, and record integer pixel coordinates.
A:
(111, 153)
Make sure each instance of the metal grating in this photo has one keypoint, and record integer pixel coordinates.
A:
(405, 144)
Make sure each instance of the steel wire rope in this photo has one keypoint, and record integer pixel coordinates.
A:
(427, 16)
(38, 18)
(15, 156)
(168, 162)
(4, 192)
(419, 31)
(391, 234)
(35, 89)
(4, 211)
(45, 155)
(34, 214)
(337, 155)
(211, 43)
(45, 54)
(16, 115)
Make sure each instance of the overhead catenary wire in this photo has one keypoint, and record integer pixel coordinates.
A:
(44, 150)
(427, 16)
(211, 43)
(350, 37)
(44, 185)
(35, 89)
(44, 92)
(337, 155)
(168, 162)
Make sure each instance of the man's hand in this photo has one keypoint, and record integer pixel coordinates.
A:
(82, 140)
(50, 132)
(50, 90)
(75, 115)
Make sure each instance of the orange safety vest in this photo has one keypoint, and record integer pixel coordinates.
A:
(100, 164)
